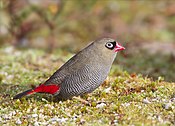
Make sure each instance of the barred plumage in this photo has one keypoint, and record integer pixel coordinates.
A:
(83, 73)
(83, 81)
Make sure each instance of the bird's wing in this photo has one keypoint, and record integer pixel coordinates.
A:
(82, 81)
(72, 65)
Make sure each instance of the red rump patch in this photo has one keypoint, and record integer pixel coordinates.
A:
(51, 89)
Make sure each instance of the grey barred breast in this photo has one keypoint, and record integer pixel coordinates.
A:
(83, 81)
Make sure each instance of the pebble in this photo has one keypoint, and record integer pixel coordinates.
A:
(155, 100)
(160, 119)
(139, 107)
(18, 122)
(126, 104)
(146, 101)
(101, 105)
(107, 90)
(142, 91)
(34, 115)
(168, 106)
(6, 117)
(12, 113)
(36, 124)
(115, 121)
(61, 120)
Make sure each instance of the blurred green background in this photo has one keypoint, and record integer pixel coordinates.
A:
(146, 28)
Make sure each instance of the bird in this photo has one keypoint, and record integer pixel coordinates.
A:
(82, 73)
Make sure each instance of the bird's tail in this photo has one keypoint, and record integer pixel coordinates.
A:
(51, 89)
(20, 95)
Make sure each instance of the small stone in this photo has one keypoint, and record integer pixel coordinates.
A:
(164, 100)
(18, 122)
(168, 106)
(115, 121)
(160, 119)
(126, 104)
(36, 124)
(101, 105)
(146, 101)
(34, 115)
(61, 120)
(142, 91)
(139, 107)
(6, 117)
(107, 90)
(154, 100)
(35, 109)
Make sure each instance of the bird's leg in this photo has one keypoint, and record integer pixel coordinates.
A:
(81, 100)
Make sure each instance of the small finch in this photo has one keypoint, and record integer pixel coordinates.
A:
(81, 74)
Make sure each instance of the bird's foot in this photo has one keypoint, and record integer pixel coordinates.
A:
(82, 100)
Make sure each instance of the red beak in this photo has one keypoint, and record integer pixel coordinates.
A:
(118, 47)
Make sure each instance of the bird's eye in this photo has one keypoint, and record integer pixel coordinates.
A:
(109, 45)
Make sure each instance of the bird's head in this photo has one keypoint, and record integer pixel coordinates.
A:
(113, 45)
(108, 45)
(106, 48)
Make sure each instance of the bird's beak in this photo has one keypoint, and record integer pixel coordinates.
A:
(118, 47)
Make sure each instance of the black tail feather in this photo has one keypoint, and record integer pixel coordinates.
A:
(20, 95)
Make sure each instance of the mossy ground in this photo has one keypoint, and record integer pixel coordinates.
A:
(124, 99)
